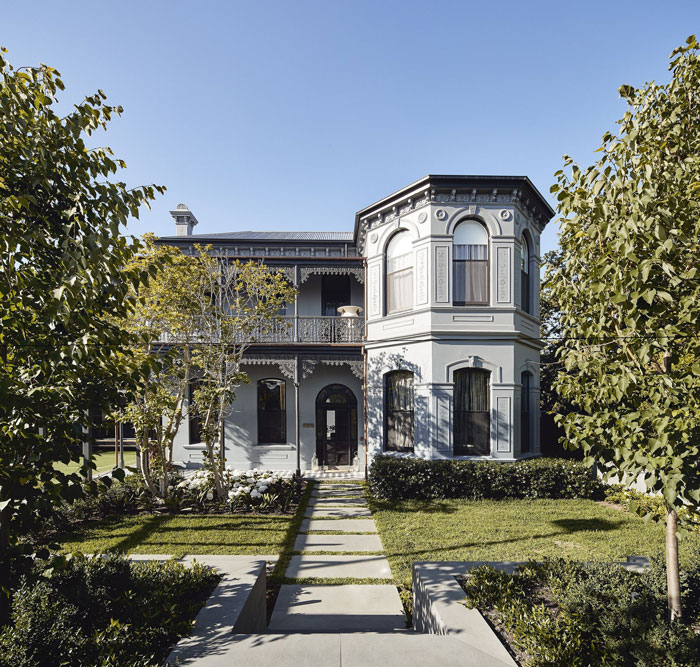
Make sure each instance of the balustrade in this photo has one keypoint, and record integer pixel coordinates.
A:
(328, 329)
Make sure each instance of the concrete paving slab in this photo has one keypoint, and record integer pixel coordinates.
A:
(344, 542)
(263, 650)
(337, 502)
(340, 567)
(359, 649)
(351, 608)
(339, 525)
(402, 649)
(347, 512)
(337, 494)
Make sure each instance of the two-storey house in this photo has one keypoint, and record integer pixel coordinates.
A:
(417, 333)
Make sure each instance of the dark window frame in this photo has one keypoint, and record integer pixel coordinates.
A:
(266, 414)
(471, 427)
(193, 419)
(485, 262)
(331, 287)
(526, 289)
(402, 416)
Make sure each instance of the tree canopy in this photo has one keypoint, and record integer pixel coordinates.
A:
(629, 291)
(63, 284)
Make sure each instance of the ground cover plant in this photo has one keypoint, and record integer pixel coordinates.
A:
(103, 611)
(398, 478)
(567, 614)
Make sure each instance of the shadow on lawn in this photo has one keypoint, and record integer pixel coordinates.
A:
(568, 526)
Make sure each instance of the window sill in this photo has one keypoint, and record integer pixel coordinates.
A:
(275, 445)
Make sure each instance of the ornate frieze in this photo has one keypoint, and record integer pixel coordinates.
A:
(422, 276)
(503, 281)
(441, 274)
(290, 364)
(503, 425)
(306, 272)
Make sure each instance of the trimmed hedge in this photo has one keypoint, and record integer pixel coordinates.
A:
(103, 611)
(400, 478)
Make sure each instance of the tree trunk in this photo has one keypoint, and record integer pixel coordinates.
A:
(672, 575)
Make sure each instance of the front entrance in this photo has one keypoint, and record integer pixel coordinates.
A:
(336, 426)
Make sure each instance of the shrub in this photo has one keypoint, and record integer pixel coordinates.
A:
(564, 613)
(103, 611)
(399, 478)
(651, 506)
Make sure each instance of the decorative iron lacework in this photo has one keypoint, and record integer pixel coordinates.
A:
(287, 363)
(307, 271)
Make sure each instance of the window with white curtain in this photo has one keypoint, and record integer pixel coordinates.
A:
(398, 411)
(399, 273)
(470, 264)
(472, 419)
(525, 287)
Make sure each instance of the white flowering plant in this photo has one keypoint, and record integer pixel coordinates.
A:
(251, 490)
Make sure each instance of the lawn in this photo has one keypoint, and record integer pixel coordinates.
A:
(103, 460)
(184, 534)
(501, 530)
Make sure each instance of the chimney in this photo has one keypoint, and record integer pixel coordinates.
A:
(184, 220)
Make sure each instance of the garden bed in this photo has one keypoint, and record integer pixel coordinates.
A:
(103, 611)
(566, 613)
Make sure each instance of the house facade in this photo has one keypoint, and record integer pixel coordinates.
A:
(415, 334)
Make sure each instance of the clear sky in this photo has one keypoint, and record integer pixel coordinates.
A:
(294, 115)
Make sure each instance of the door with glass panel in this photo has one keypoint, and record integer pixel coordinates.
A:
(336, 426)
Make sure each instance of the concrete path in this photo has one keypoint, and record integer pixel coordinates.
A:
(352, 605)
(340, 608)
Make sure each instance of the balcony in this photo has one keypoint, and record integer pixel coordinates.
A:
(320, 329)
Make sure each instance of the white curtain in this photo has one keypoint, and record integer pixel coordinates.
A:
(471, 274)
(399, 283)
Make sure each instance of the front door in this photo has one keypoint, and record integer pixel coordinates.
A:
(336, 426)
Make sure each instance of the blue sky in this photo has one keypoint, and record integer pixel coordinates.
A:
(294, 115)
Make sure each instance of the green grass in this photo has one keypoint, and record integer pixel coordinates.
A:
(180, 534)
(503, 530)
(103, 460)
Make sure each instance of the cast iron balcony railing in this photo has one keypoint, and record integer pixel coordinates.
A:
(321, 329)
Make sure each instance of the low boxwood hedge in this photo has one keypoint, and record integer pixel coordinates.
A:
(400, 478)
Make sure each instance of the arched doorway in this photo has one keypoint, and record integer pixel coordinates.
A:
(336, 425)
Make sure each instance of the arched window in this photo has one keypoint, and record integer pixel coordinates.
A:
(525, 411)
(272, 411)
(399, 273)
(398, 411)
(525, 286)
(472, 419)
(471, 264)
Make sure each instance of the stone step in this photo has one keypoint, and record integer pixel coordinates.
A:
(339, 525)
(359, 649)
(338, 567)
(344, 542)
(348, 608)
(346, 512)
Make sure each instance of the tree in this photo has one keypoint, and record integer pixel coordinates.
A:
(166, 327)
(629, 292)
(196, 316)
(240, 303)
(62, 282)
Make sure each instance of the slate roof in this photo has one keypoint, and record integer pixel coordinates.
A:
(342, 237)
